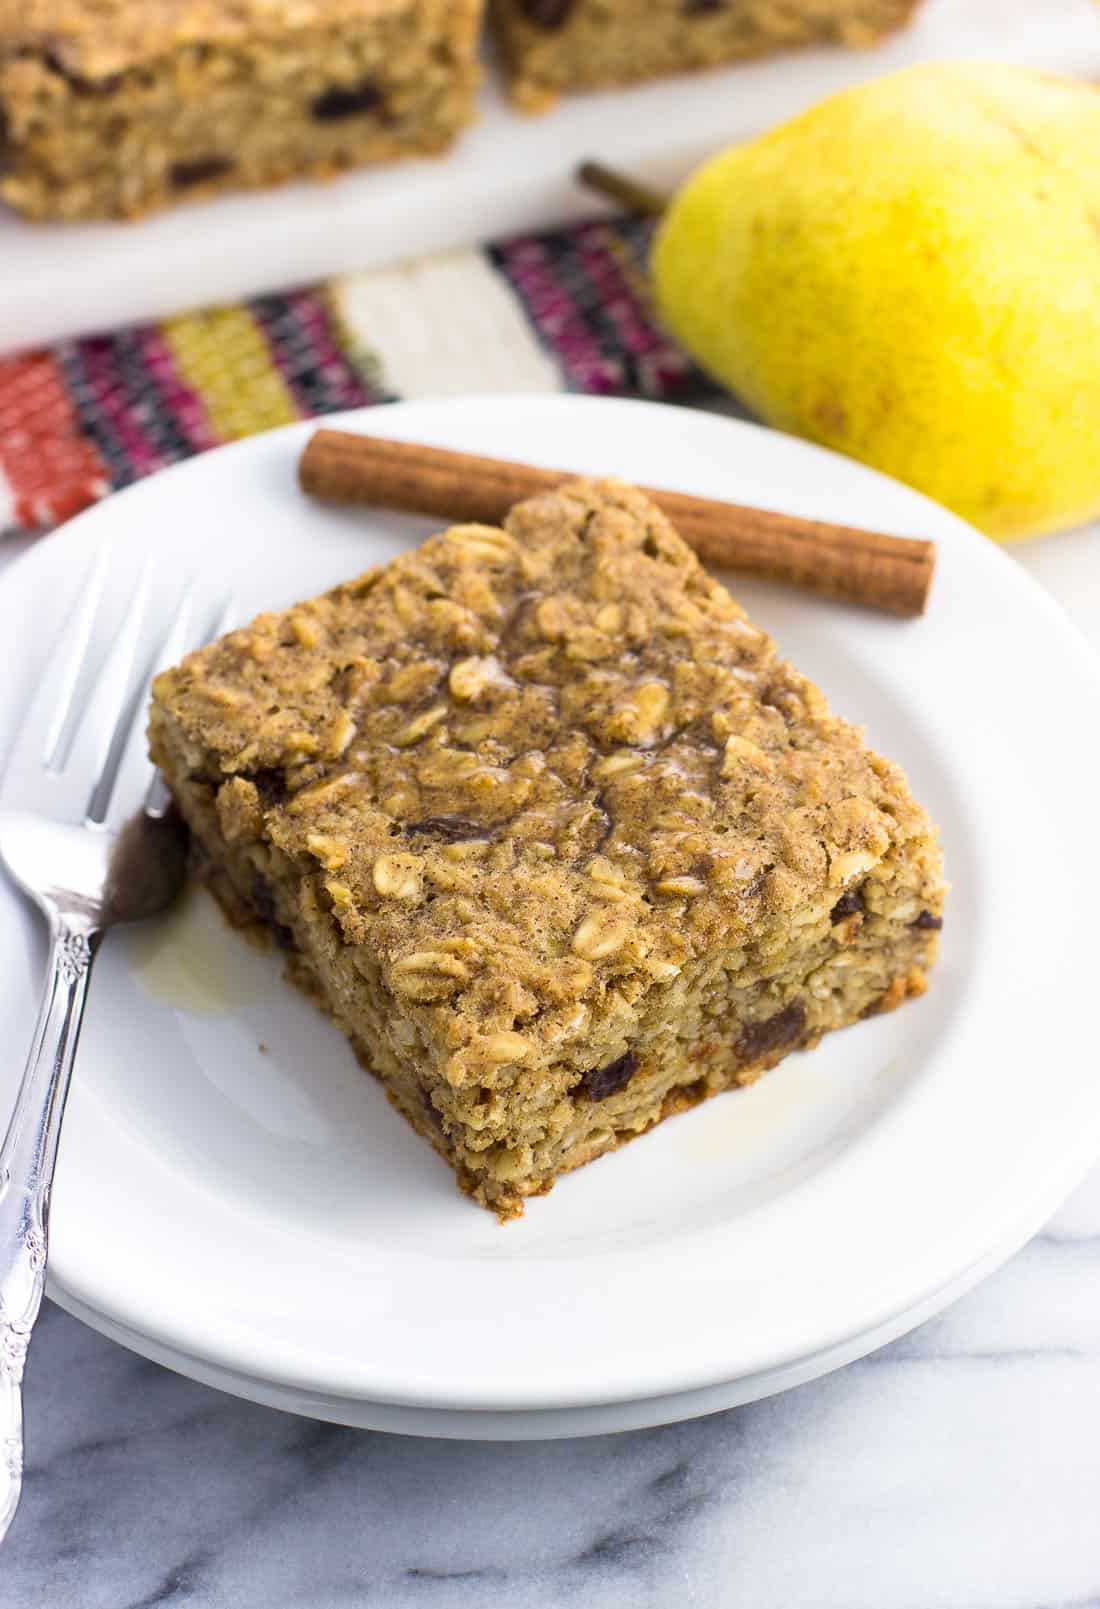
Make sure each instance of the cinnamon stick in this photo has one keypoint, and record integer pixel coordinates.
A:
(891, 573)
(621, 188)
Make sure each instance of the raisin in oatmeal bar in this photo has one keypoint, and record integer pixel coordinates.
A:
(551, 831)
(552, 47)
(118, 107)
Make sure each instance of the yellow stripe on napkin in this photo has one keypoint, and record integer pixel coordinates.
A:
(222, 354)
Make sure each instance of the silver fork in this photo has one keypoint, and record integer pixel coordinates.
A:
(87, 831)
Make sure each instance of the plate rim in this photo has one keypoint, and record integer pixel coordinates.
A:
(568, 1421)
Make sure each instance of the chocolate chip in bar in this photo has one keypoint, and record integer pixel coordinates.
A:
(600, 1082)
(185, 175)
(850, 903)
(547, 14)
(773, 1033)
(270, 784)
(452, 829)
(928, 923)
(346, 100)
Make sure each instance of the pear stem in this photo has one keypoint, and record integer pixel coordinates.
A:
(619, 187)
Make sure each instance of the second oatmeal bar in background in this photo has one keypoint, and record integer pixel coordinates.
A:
(114, 108)
(553, 47)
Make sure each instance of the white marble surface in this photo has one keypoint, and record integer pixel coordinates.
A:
(957, 1468)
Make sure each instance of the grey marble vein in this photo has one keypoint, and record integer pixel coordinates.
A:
(957, 1469)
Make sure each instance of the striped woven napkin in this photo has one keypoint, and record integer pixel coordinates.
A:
(566, 310)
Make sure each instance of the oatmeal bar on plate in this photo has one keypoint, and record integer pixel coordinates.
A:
(117, 107)
(550, 830)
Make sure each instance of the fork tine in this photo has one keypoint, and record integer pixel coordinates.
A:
(224, 621)
(135, 773)
(158, 800)
(44, 721)
(86, 610)
(93, 754)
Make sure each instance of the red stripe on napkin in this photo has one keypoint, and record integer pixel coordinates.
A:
(52, 469)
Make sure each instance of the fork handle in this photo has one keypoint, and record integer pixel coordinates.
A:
(27, 1160)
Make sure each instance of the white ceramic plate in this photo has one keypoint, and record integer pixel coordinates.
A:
(235, 1196)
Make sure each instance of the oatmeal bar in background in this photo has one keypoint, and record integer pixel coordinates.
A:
(550, 830)
(113, 108)
(553, 47)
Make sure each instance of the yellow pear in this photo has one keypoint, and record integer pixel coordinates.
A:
(909, 272)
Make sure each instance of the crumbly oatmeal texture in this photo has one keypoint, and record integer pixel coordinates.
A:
(551, 831)
(118, 107)
(552, 47)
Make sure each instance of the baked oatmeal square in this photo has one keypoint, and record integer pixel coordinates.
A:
(115, 108)
(547, 826)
